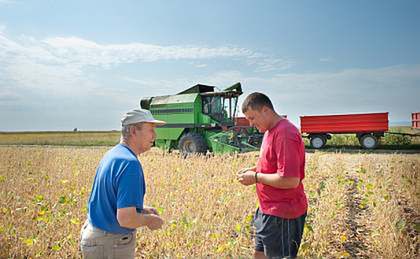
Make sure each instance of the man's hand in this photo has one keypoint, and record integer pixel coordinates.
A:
(154, 221)
(243, 170)
(150, 210)
(246, 177)
(130, 218)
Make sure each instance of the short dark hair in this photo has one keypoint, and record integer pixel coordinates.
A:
(256, 101)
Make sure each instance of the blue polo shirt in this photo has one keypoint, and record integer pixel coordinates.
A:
(119, 183)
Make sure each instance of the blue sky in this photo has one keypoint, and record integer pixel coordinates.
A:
(67, 64)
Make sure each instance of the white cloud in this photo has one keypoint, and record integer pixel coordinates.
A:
(266, 64)
(390, 89)
(154, 86)
(326, 59)
(4, 2)
(352, 90)
(200, 65)
(86, 52)
(6, 95)
(60, 64)
(59, 68)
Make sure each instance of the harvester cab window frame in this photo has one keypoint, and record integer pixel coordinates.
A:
(213, 106)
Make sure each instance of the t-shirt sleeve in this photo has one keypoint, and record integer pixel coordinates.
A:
(130, 189)
(288, 157)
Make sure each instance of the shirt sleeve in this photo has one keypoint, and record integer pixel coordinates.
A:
(130, 189)
(288, 157)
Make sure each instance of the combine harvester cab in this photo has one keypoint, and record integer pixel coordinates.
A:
(200, 120)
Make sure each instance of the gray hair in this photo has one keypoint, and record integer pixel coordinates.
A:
(125, 130)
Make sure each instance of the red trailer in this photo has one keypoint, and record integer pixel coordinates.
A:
(415, 120)
(241, 121)
(368, 127)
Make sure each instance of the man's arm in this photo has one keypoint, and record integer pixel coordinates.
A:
(274, 180)
(130, 218)
(278, 181)
(149, 210)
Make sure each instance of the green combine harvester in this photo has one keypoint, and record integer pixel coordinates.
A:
(200, 119)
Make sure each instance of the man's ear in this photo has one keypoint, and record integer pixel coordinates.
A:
(132, 131)
(264, 109)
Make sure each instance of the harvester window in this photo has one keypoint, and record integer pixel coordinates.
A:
(212, 105)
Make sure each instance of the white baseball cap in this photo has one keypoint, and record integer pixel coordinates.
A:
(139, 115)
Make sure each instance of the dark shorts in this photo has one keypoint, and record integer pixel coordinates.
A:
(278, 237)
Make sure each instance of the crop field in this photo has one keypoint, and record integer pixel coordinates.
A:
(361, 205)
(109, 138)
(60, 138)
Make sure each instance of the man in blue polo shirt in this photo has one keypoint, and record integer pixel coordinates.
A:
(115, 205)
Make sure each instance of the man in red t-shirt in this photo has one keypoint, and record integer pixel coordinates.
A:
(278, 176)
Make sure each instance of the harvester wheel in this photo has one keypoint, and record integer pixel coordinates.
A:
(192, 143)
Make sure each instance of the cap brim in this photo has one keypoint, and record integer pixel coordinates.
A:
(157, 122)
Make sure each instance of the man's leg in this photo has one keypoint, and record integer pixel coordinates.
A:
(288, 241)
(259, 246)
(299, 224)
(259, 255)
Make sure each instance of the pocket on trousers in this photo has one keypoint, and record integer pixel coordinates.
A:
(124, 246)
(124, 240)
(92, 252)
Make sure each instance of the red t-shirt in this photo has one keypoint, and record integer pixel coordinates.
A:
(282, 152)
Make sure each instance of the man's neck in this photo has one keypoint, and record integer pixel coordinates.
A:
(129, 146)
(275, 119)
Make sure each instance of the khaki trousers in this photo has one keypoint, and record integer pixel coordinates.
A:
(96, 243)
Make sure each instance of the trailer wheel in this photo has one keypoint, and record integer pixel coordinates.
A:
(318, 141)
(192, 143)
(368, 141)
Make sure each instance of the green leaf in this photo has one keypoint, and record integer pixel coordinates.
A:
(56, 248)
(75, 221)
(29, 241)
(238, 227)
(38, 198)
(62, 199)
(400, 224)
(160, 210)
(417, 227)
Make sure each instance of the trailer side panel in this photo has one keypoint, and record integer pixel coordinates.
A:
(346, 123)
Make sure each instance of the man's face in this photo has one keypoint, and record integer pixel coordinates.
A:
(257, 118)
(145, 135)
